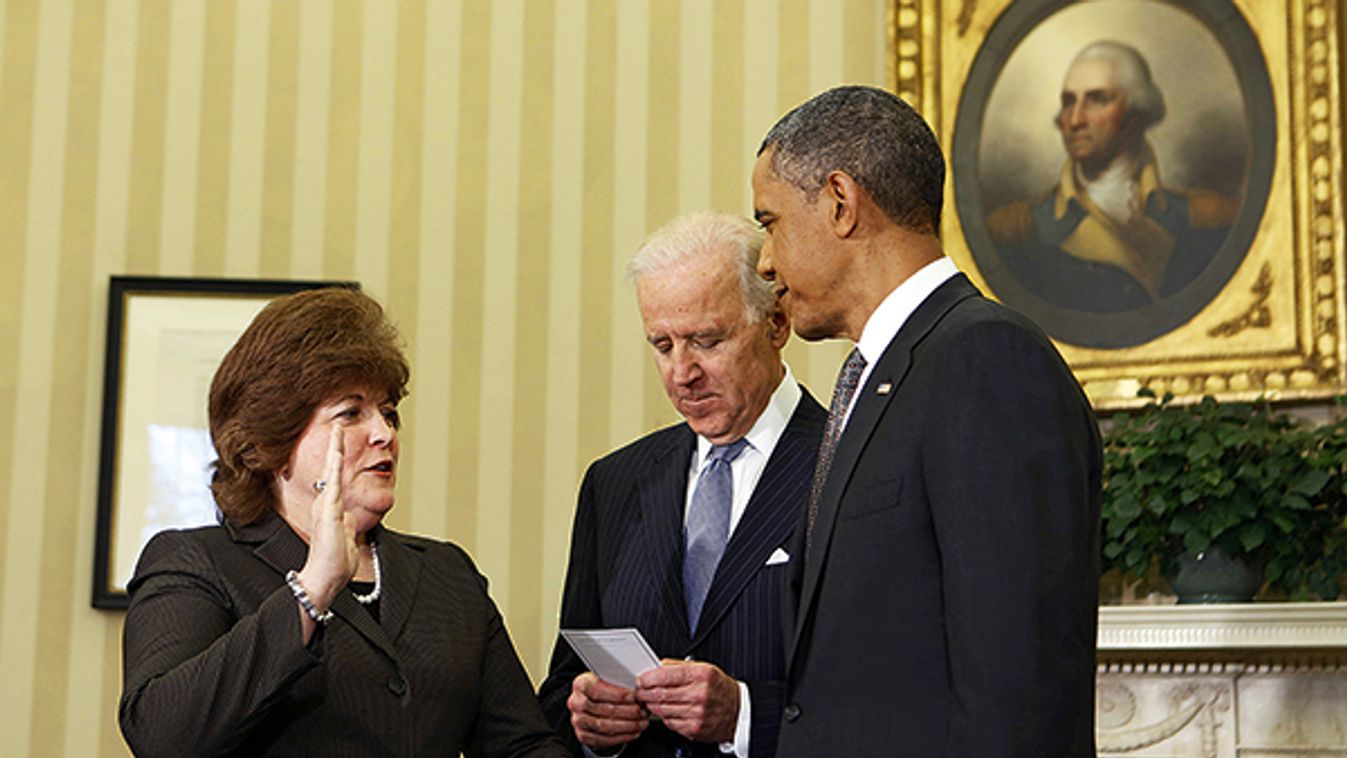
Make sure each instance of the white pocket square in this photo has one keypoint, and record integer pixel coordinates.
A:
(780, 556)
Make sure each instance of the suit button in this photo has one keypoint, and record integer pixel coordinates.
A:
(397, 685)
(792, 713)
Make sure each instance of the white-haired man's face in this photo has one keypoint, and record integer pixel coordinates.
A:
(1094, 117)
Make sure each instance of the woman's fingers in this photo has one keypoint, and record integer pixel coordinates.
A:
(336, 449)
(327, 506)
(332, 548)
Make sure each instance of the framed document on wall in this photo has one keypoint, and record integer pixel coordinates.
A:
(165, 338)
(1156, 183)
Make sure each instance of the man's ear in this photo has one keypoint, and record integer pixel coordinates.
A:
(778, 325)
(843, 195)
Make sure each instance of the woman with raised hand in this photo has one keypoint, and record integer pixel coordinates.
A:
(300, 625)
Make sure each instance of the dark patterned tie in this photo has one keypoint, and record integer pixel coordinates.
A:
(708, 526)
(847, 379)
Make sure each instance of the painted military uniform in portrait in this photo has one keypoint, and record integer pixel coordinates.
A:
(1068, 250)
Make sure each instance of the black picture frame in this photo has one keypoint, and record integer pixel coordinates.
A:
(153, 314)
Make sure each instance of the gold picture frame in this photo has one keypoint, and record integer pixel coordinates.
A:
(1265, 317)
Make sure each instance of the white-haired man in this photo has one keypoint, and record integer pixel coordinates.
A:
(1110, 236)
(654, 547)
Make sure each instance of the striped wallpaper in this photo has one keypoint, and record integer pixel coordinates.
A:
(482, 168)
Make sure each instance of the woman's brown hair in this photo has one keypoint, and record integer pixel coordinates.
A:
(295, 354)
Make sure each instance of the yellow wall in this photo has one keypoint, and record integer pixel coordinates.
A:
(482, 168)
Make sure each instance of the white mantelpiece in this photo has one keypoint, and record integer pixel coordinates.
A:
(1255, 680)
(1240, 626)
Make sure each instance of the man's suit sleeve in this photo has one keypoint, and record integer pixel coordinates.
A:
(1011, 466)
(179, 636)
(768, 698)
(580, 609)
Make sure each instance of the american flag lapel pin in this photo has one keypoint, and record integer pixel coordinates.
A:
(884, 388)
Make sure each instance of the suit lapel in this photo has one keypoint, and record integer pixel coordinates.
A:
(772, 512)
(662, 491)
(274, 543)
(281, 549)
(870, 405)
(401, 568)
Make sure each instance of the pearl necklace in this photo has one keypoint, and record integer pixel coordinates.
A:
(378, 579)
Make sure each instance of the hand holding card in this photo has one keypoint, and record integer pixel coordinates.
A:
(616, 656)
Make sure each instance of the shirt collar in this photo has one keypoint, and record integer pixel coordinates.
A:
(894, 311)
(771, 422)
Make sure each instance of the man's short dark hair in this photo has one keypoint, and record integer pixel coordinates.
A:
(876, 139)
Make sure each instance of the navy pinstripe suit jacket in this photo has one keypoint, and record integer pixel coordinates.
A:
(626, 570)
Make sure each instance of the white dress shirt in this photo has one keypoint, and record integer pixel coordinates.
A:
(893, 312)
(762, 439)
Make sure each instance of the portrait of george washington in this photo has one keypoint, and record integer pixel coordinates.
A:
(1111, 177)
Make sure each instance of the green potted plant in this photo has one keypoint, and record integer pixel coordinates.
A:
(1323, 570)
(1188, 486)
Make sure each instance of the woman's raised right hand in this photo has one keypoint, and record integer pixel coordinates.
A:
(333, 551)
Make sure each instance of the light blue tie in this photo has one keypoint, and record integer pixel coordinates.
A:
(708, 526)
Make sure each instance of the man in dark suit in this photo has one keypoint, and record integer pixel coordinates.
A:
(946, 602)
(640, 551)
